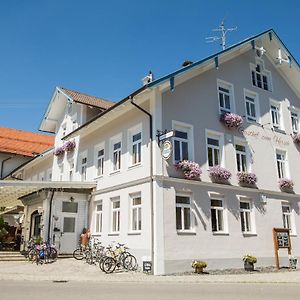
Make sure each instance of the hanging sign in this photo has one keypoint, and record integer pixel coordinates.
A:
(166, 149)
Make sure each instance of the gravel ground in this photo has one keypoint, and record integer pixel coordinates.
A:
(72, 270)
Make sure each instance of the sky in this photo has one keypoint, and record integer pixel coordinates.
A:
(105, 47)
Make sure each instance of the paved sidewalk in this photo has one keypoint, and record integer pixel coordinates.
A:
(72, 270)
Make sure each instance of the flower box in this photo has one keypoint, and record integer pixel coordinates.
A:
(59, 151)
(247, 179)
(296, 138)
(69, 146)
(219, 174)
(286, 185)
(231, 120)
(190, 169)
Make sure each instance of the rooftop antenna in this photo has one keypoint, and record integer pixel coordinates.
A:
(223, 31)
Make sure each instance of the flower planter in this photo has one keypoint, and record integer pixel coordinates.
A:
(248, 185)
(289, 190)
(248, 266)
(198, 270)
(286, 185)
(231, 120)
(218, 174)
(219, 180)
(190, 169)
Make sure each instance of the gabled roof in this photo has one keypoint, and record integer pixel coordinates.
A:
(23, 142)
(87, 99)
(265, 39)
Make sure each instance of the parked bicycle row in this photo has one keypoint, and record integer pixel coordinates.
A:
(115, 256)
(40, 252)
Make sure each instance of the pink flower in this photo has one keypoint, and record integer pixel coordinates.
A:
(231, 120)
(285, 183)
(190, 169)
(69, 146)
(219, 173)
(296, 138)
(244, 177)
(58, 151)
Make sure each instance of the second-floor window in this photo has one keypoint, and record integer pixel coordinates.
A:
(136, 148)
(83, 168)
(71, 170)
(117, 156)
(181, 146)
(275, 110)
(241, 158)
(213, 151)
(281, 164)
(100, 162)
(294, 121)
(225, 95)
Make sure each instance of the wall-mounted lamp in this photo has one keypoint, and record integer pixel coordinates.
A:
(72, 199)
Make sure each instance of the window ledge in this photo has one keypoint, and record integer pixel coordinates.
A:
(220, 233)
(134, 166)
(248, 234)
(114, 172)
(134, 233)
(186, 232)
(279, 130)
(98, 177)
(113, 233)
(293, 235)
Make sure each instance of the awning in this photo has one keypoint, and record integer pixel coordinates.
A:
(12, 190)
(12, 210)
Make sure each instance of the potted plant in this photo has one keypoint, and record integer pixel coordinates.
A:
(286, 185)
(293, 262)
(246, 179)
(59, 151)
(231, 120)
(219, 174)
(296, 138)
(69, 146)
(190, 169)
(249, 262)
(198, 266)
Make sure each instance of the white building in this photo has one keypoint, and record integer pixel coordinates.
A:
(116, 182)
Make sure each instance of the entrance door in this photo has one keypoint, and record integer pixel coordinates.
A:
(69, 228)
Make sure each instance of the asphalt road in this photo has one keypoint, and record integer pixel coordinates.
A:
(44, 290)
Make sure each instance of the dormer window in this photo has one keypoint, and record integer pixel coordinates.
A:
(261, 77)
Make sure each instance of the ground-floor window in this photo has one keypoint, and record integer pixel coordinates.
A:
(136, 212)
(217, 215)
(98, 217)
(245, 212)
(183, 213)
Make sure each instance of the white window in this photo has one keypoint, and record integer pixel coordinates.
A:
(281, 163)
(61, 171)
(64, 130)
(183, 213)
(245, 212)
(136, 150)
(182, 141)
(136, 213)
(276, 114)
(116, 156)
(241, 157)
(252, 106)
(71, 169)
(217, 215)
(225, 96)
(98, 217)
(49, 174)
(42, 176)
(83, 168)
(100, 162)
(213, 151)
(294, 121)
(115, 217)
(286, 216)
(261, 77)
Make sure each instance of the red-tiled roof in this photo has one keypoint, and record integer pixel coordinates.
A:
(24, 142)
(88, 100)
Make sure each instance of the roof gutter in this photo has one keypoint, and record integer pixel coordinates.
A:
(151, 177)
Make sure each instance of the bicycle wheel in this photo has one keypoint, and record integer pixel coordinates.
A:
(108, 265)
(89, 257)
(78, 254)
(101, 260)
(53, 254)
(130, 263)
(31, 254)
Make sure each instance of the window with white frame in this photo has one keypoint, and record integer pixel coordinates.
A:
(275, 114)
(98, 217)
(286, 216)
(225, 95)
(281, 163)
(64, 130)
(100, 161)
(49, 174)
(217, 215)
(71, 169)
(136, 212)
(182, 141)
(294, 121)
(115, 214)
(183, 212)
(61, 171)
(213, 151)
(116, 159)
(261, 77)
(251, 103)
(136, 150)
(245, 213)
(241, 157)
(83, 167)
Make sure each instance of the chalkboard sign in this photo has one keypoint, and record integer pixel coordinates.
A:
(283, 239)
(147, 266)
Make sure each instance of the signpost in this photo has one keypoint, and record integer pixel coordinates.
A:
(281, 238)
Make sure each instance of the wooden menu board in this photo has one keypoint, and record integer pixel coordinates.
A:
(281, 238)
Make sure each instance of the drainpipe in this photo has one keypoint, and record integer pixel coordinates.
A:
(50, 215)
(151, 179)
(2, 164)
